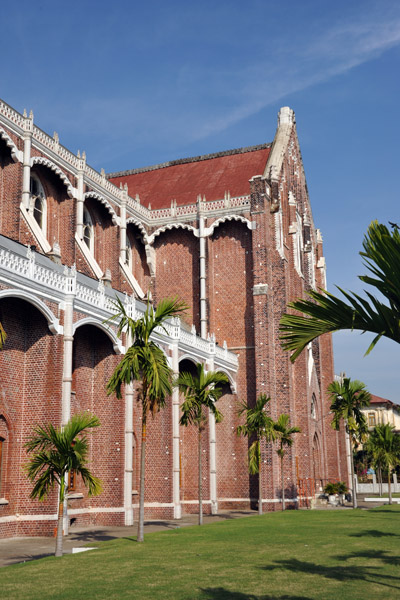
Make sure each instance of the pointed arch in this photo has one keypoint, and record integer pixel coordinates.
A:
(45, 162)
(52, 321)
(114, 217)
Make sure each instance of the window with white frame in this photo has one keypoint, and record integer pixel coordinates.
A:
(88, 231)
(279, 231)
(128, 252)
(298, 244)
(38, 205)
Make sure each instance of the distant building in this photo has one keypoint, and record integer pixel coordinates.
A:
(232, 234)
(382, 411)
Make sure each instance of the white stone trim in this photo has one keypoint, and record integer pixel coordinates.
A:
(16, 155)
(250, 224)
(52, 321)
(36, 230)
(170, 226)
(19, 518)
(93, 510)
(131, 279)
(40, 160)
(140, 226)
(118, 347)
(114, 217)
(89, 257)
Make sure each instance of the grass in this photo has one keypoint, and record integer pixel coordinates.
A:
(303, 555)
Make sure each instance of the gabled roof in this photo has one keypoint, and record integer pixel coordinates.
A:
(379, 400)
(210, 175)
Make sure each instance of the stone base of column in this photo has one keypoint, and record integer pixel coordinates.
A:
(214, 507)
(129, 516)
(177, 511)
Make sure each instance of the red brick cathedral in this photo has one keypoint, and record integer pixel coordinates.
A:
(232, 234)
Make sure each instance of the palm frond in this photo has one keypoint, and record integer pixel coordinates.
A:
(3, 336)
(325, 313)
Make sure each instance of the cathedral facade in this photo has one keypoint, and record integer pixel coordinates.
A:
(230, 233)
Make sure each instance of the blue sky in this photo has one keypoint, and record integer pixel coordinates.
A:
(134, 84)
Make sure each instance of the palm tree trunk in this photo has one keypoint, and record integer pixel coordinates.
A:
(353, 487)
(200, 483)
(283, 485)
(59, 538)
(140, 532)
(380, 481)
(260, 507)
(389, 486)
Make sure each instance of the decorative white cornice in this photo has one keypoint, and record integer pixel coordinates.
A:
(140, 226)
(250, 224)
(40, 160)
(170, 226)
(114, 217)
(16, 155)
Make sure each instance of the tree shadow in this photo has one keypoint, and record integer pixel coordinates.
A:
(373, 533)
(382, 555)
(339, 573)
(91, 536)
(221, 593)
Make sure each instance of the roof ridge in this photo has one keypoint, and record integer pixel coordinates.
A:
(182, 161)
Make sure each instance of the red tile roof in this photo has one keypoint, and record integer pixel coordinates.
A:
(182, 180)
(379, 400)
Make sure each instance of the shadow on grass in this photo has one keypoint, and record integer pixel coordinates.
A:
(373, 533)
(221, 593)
(339, 573)
(382, 555)
(24, 558)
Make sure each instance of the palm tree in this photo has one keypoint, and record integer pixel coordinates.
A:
(347, 398)
(326, 313)
(55, 453)
(284, 435)
(384, 447)
(3, 336)
(201, 391)
(259, 425)
(144, 361)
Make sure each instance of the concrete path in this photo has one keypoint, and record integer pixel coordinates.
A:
(16, 550)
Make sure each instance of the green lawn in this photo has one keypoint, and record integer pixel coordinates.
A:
(299, 555)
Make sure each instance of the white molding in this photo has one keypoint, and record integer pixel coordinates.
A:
(37, 232)
(114, 217)
(131, 279)
(39, 160)
(118, 347)
(19, 518)
(250, 224)
(157, 232)
(52, 322)
(89, 257)
(16, 155)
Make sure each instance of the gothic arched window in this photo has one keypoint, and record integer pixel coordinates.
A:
(38, 202)
(88, 232)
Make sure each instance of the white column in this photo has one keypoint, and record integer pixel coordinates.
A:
(124, 198)
(128, 473)
(175, 437)
(27, 136)
(203, 294)
(67, 364)
(80, 196)
(203, 333)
